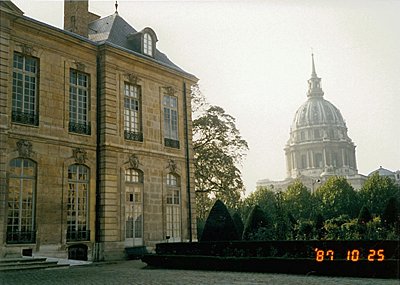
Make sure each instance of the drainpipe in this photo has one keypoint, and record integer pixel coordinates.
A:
(187, 162)
(98, 197)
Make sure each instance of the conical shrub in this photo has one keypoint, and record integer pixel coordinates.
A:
(219, 225)
(391, 214)
(364, 216)
(254, 222)
(238, 224)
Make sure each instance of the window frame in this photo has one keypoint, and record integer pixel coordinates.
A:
(78, 125)
(173, 207)
(28, 235)
(148, 44)
(74, 219)
(19, 114)
(129, 133)
(135, 233)
(171, 116)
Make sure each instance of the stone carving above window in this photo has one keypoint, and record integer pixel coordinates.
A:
(26, 49)
(133, 161)
(132, 78)
(80, 155)
(170, 90)
(172, 166)
(25, 149)
(80, 66)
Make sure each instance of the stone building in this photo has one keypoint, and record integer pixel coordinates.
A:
(95, 129)
(319, 146)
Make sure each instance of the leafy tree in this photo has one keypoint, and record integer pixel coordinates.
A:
(336, 197)
(238, 223)
(297, 200)
(218, 150)
(219, 225)
(391, 214)
(255, 221)
(377, 191)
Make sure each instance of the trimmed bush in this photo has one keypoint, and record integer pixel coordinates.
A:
(238, 224)
(255, 221)
(390, 216)
(365, 216)
(219, 225)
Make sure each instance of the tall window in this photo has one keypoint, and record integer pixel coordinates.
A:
(148, 44)
(171, 121)
(133, 207)
(21, 201)
(316, 134)
(78, 103)
(303, 162)
(318, 160)
(173, 208)
(77, 206)
(132, 113)
(24, 93)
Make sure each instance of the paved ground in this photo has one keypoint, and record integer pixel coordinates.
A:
(136, 272)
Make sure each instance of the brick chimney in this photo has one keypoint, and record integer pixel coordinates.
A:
(77, 16)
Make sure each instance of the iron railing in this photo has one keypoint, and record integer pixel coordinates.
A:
(171, 143)
(24, 118)
(133, 136)
(21, 237)
(78, 235)
(79, 128)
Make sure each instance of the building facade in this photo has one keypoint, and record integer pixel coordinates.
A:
(96, 138)
(319, 146)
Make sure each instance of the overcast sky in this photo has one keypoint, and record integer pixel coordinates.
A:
(253, 58)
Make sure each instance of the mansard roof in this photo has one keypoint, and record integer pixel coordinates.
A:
(115, 30)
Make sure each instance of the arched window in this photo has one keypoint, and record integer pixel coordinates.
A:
(133, 207)
(77, 205)
(173, 207)
(147, 44)
(302, 136)
(21, 201)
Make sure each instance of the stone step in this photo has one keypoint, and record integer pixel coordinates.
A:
(15, 264)
(21, 260)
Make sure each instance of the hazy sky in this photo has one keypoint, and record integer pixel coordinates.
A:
(253, 59)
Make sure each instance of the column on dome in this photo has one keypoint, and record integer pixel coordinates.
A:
(308, 159)
(324, 157)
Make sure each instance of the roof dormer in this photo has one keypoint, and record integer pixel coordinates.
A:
(144, 41)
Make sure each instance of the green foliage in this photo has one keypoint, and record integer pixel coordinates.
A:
(238, 223)
(262, 197)
(336, 197)
(304, 229)
(364, 216)
(319, 226)
(297, 200)
(391, 215)
(377, 191)
(255, 221)
(219, 225)
(218, 149)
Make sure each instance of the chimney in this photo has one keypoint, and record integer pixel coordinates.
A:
(76, 16)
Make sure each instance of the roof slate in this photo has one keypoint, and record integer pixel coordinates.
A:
(114, 29)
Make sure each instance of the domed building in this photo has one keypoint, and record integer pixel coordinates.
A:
(319, 146)
(318, 143)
